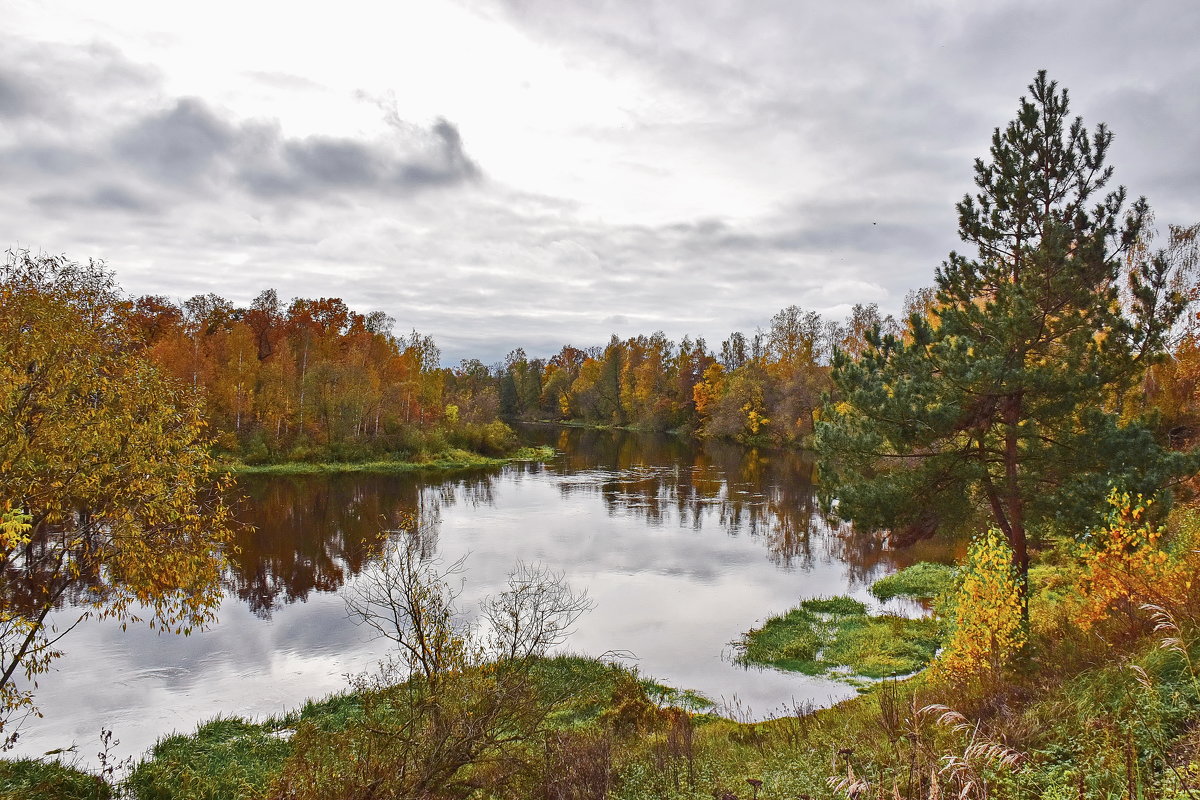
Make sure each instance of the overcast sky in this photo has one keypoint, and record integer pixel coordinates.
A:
(536, 172)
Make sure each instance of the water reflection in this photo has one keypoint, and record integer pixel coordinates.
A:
(309, 533)
(312, 533)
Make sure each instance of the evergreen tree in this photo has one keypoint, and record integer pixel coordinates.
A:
(1006, 398)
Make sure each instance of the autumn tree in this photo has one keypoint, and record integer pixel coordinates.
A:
(104, 467)
(1005, 397)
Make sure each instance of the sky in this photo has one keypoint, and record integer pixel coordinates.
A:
(531, 173)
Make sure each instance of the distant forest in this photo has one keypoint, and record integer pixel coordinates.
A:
(312, 379)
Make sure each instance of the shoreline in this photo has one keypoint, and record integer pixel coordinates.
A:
(446, 461)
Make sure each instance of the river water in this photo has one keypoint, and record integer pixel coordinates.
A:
(681, 545)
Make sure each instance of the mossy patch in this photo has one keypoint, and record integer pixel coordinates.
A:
(922, 581)
(836, 636)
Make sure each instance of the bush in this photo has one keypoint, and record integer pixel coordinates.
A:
(493, 439)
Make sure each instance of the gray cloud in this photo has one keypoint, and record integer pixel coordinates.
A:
(102, 198)
(90, 130)
(190, 141)
(177, 145)
(15, 99)
(427, 159)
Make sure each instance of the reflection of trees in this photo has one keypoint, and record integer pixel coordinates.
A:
(310, 533)
(768, 495)
(669, 480)
(868, 557)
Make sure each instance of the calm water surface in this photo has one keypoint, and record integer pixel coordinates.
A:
(682, 546)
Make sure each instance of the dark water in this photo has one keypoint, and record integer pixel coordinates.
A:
(681, 545)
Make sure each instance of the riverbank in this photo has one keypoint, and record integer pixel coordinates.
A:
(610, 735)
(447, 460)
(1014, 729)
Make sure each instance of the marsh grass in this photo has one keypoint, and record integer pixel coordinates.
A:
(922, 581)
(835, 636)
(227, 757)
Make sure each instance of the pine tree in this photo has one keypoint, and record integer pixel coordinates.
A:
(1007, 399)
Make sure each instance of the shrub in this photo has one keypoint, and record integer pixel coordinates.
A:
(987, 628)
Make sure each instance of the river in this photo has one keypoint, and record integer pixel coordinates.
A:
(682, 546)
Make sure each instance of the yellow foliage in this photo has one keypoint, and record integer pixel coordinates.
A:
(754, 418)
(988, 629)
(1124, 564)
(14, 528)
(107, 460)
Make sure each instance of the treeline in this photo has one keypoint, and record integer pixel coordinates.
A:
(306, 380)
(765, 387)
(311, 379)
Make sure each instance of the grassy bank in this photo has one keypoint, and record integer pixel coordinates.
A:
(451, 459)
(237, 758)
(1018, 737)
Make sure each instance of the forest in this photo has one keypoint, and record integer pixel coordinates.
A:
(311, 379)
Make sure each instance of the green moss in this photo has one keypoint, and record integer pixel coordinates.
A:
(25, 778)
(828, 636)
(921, 581)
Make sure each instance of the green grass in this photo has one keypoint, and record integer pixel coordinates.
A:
(687, 699)
(922, 581)
(226, 759)
(836, 636)
(450, 459)
(27, 778)
(837, 606)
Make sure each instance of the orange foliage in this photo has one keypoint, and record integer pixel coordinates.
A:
(1125, 564)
